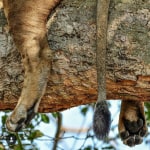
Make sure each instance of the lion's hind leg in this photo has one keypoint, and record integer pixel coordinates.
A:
(27, 22)
(132, 123)
(36, 74)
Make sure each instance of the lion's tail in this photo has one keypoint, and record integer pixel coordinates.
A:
(102, 116)
(101, 120)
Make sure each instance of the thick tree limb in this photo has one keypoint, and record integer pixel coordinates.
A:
(72, 38)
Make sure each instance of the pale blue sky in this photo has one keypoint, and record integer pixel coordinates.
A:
(73, 119)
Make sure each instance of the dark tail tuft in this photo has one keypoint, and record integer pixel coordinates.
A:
(101, 120)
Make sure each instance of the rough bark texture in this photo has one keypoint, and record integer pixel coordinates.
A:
(72, 38)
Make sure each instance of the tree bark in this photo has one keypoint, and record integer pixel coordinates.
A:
(72, 37)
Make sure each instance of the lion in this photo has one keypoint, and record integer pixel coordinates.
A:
(27, 24)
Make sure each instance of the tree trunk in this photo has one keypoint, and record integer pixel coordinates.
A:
(72, 37)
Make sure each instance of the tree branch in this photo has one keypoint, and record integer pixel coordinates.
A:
(58, 131)
(72, 37)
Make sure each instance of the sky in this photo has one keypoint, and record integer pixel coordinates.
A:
(73, 119)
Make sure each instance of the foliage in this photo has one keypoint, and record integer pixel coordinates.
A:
(27, 138)
(16, 140)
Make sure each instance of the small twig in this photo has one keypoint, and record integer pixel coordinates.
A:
(87, 136)
(59, 124)
(61, 138)
(19, 142)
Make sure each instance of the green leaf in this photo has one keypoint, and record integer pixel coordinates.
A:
(88, 148)
(84, 110)
(30, 126)
(17, 147)
(108, 147)
(55, 114)
(4, 119)
(35, 134)
(45, 118)
(2, 146)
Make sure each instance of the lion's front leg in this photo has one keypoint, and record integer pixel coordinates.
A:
(132, 123)
(27, 22)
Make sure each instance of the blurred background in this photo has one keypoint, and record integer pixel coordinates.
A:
(67, 130)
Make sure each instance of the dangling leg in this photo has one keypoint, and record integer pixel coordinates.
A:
(27, 22)
(132, 123)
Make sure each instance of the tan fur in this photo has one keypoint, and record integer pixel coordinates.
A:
(132, 122)
(27, 24)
